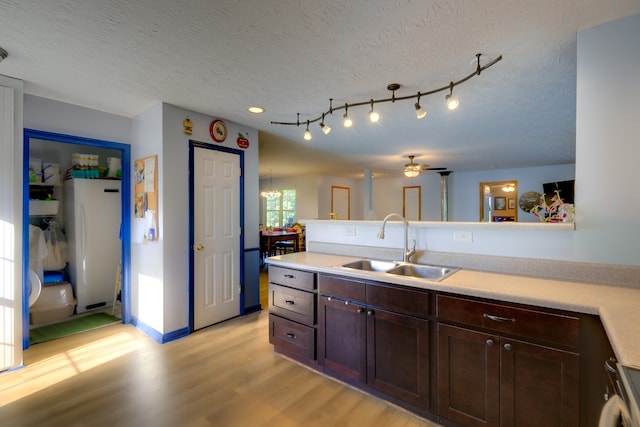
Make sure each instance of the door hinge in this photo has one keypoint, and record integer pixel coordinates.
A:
(241, 289)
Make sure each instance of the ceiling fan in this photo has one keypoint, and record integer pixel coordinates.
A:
(411, 169)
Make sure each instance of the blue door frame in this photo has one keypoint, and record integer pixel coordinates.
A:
(192, 145)
(125, 149)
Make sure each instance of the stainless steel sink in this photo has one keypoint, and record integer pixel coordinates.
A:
(371, 265)
(430, 272)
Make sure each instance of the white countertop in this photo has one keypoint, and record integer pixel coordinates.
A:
(618, 307)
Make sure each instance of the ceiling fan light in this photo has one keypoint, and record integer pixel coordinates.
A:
(420, 112)
(411, 170)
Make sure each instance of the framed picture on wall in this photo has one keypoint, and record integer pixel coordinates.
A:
(512, 203)
(500, 203)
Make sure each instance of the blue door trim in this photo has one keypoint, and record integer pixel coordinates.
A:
(125, 149)
(197, 144)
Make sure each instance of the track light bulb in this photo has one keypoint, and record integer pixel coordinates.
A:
(420, 112)
(326, 129)
(452, 102)
(307, 133)
(347, 121)
(374, 116)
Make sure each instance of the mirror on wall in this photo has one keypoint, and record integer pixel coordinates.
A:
(340, 202)
(412, 203)
(498, 201)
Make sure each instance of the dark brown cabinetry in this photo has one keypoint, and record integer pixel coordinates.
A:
(500, 365)
(376, 336)
(292, 313)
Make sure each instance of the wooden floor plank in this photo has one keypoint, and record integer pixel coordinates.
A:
(224, 375)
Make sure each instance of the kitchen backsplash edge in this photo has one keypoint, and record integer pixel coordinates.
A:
(605, 274)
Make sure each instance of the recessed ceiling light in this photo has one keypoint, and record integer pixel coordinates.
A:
(256, 110)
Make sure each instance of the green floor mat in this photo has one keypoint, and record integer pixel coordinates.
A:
(70, 327)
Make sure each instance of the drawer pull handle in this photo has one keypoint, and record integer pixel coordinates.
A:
(289, 276)
(290, 335)
(489, 343)
(290, 302)
(507, 346)
(498, 318)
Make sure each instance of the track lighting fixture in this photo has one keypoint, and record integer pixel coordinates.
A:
(420, 112)
(452, 102)
(326, 129)
(373, 115)
(347, 122)
(307, 133)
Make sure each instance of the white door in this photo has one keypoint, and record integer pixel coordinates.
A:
(216, 236)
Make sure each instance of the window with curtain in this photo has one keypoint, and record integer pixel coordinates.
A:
(281, 211)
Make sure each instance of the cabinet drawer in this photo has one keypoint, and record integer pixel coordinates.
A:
(292, 337)
(290, 277)
(293, 304)
(348, 289)
(399, 300)
(504, 319)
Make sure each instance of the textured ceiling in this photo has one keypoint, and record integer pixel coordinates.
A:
(291, 56)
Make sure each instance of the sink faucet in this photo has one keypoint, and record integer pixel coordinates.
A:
(407, 253)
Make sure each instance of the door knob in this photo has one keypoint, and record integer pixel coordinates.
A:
(199, 247)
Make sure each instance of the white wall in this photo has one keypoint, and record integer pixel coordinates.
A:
(173, 183)
(608, 148)
(147, 259)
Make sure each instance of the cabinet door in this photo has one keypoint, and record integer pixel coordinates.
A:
(342, 338)
(468, 376)
(398, 356)
(539, 385)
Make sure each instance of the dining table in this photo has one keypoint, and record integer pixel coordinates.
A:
(268, 238)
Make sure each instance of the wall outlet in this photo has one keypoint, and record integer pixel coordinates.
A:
(350, 232)
(463, 236)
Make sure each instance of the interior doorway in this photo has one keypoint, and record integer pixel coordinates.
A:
(216, 242)
(65, 144)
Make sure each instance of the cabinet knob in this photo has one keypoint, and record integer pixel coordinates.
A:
(361, 310)
(370, 313)
(489, 343)
(507, 346)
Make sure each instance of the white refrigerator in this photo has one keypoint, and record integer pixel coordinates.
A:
(92, 215)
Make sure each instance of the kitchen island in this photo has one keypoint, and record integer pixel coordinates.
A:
(577, 350)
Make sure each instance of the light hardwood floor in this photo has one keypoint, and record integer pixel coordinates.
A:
(224, 375)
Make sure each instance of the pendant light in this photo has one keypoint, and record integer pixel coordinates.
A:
(270, 193)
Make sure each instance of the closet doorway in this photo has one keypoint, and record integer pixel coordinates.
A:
(59, 148)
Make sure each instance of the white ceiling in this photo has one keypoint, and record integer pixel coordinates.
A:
(291, 56)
